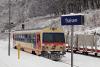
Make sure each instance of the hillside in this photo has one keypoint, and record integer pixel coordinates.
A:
(27, 11)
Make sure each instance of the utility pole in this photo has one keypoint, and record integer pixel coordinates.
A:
(9, 27)
(72, 30)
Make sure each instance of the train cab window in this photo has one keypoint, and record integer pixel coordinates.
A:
(53, 37)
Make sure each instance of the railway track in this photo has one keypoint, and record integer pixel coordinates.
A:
(65, 62)
(89, 54)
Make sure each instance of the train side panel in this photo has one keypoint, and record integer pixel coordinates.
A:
(30, 43)
(85, 43)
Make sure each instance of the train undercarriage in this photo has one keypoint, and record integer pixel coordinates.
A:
(53, 55)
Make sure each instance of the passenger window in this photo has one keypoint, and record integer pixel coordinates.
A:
(25, 35)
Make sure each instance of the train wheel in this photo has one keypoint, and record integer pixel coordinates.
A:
(55, 57)
(96, 54)
(33, 52)
(15, 47)
(22, 49)
(86, 53)
(44, 54)
(83, 52)
(47, 56)
(67, 50)
(74, 51)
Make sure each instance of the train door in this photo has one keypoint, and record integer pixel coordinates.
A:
(38, 41)
(34, 40)
(38, 44)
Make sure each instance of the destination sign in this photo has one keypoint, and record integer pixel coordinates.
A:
(72, 20)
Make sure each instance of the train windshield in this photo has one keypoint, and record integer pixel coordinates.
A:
(53, 37)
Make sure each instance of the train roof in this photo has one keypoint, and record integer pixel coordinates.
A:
(42, 30)
(26, 31)
(72, 14)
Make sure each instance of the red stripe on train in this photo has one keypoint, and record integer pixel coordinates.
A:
(86, 49)
(53, 44)
(97, 50)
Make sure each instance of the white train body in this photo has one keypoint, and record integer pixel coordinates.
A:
(85, 43)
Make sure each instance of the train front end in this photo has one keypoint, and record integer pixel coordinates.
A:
(53, 45)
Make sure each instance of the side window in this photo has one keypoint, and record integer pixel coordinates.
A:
(19, 37)
(22, 37)
(29, 38)
(34, 38)
(25, 35)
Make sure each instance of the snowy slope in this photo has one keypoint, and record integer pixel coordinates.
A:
(3, 1)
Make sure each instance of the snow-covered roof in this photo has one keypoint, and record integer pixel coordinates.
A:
(79, 32)
(97, 30)
(27, 31)
(88, 31)
(71, 14)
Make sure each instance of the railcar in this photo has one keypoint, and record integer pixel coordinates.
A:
(48, 42)
(86, 44)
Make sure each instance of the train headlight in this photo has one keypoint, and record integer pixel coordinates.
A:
(61, 47)
(49, 52)
(43, 44)
(53, 47)
(60, 52)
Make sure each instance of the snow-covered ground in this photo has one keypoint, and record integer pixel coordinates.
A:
(29, 60)
(26, 59)
(82, 60)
